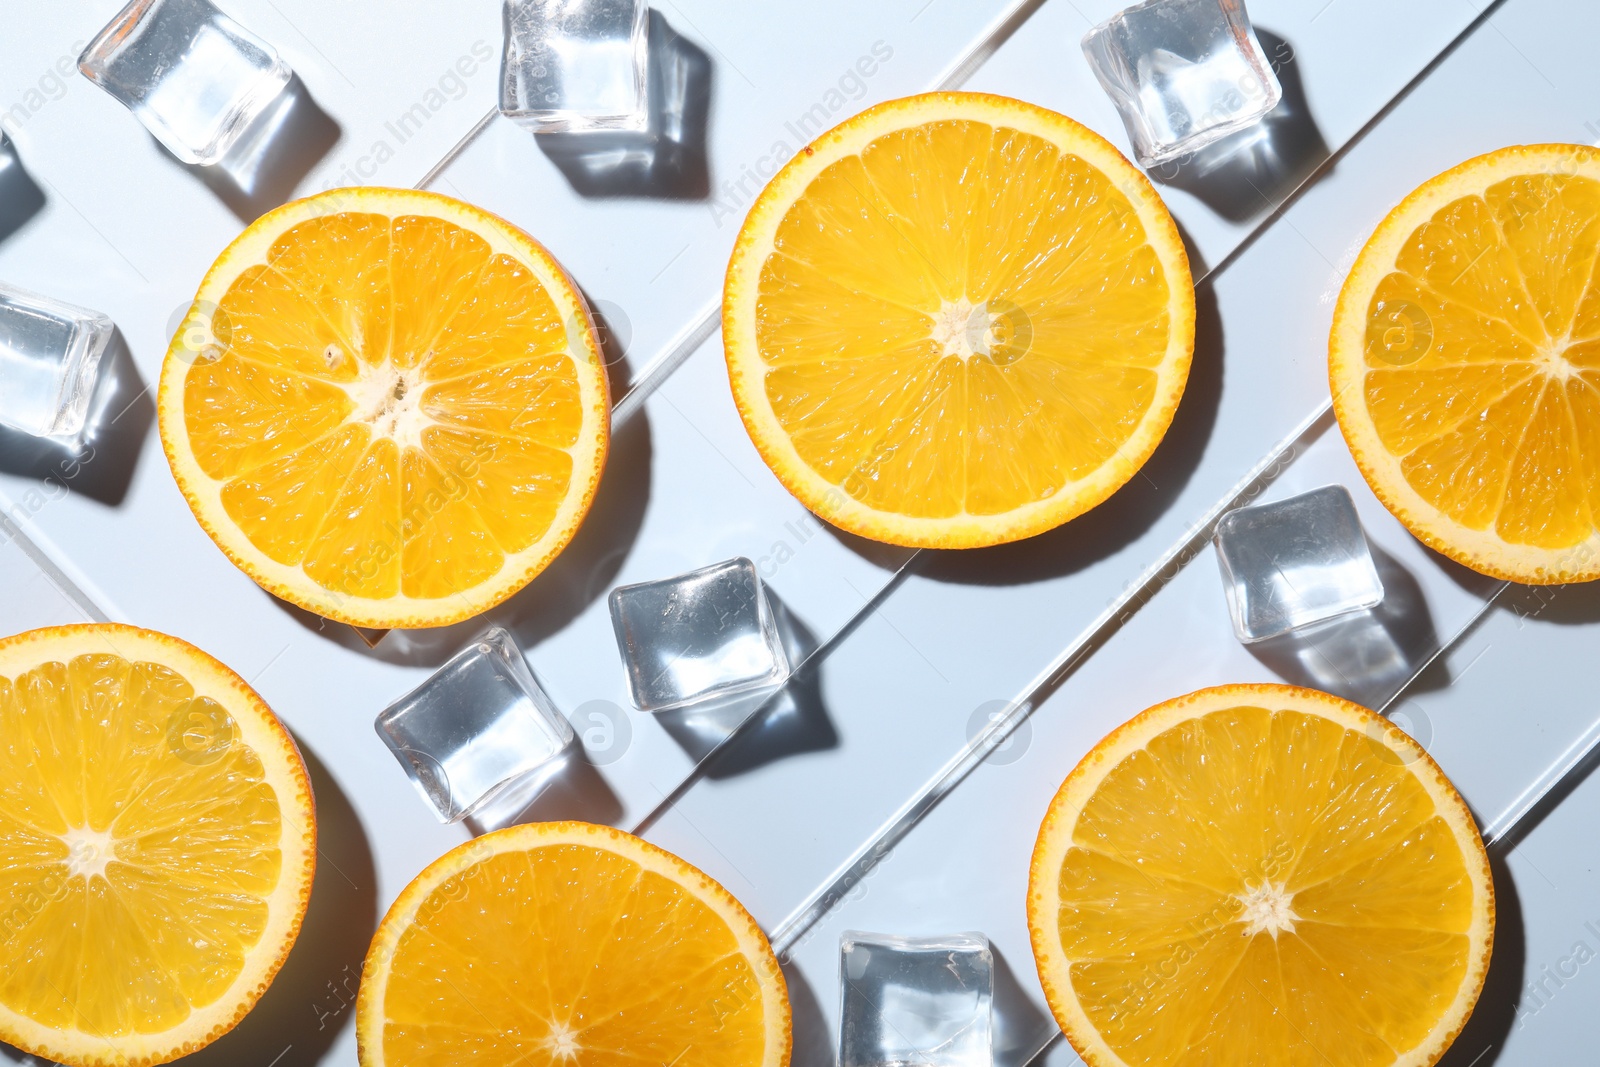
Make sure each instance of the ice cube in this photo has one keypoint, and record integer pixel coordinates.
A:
(49, 355)
(1182, 73)
(191, 74)
(479, 726)
(1295, 563)
(708, 633)
(915, 1000)
(575, 65)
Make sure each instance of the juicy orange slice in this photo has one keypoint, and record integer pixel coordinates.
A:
(387, 407)
(157, 842)
(957, 320)
(1260, 874)
(555, 944)
(1465, 363)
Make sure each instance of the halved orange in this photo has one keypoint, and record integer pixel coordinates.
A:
(157, 844)
(1260, 874)
(1465, 363)
(566, 943)
(386, 406)
(957, 320)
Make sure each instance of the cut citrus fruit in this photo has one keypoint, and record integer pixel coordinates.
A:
(957, 320)
(566, 943)
(1465, 363)
(157, 839)
(1260, 874)
(386, 406)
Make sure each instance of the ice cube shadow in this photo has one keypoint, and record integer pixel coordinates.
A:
(736, 735)
(1365, 656)
(575, 790)
(1018, 1026)
(666, 160)
(1254, 170)
(275, 152)
(814, 1042)
(98, 462)
(20, 196)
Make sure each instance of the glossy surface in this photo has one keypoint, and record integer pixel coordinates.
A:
(988, 642)
(575, 65)
(49, 355)
(1294, 563)
(1261, 881)
(922, 1001)
(708, 633)
(157, 839)
(191, 74)
(1483, 360)
(389, 405)
(140, 840)
(565, 943)
(480, 725)
(1183, 74)
(961, 319)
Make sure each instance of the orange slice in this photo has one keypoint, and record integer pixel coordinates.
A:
(1260, 874)
(157, 842)
(387, 407)
(564, 943)
(1465, 363)
(957, 320)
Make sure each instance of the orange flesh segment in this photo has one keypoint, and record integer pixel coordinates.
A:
(886, 248)
(1155, 890)
(377, 381)
(165, 925)
(1480, 356)
(632, 969)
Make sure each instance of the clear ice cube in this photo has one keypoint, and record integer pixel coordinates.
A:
(49, 355)
(575, 65)
(915, 1000)
(1182, 73)
(708, 633)
(1294, 563)
(479, 726)
(191, 74)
